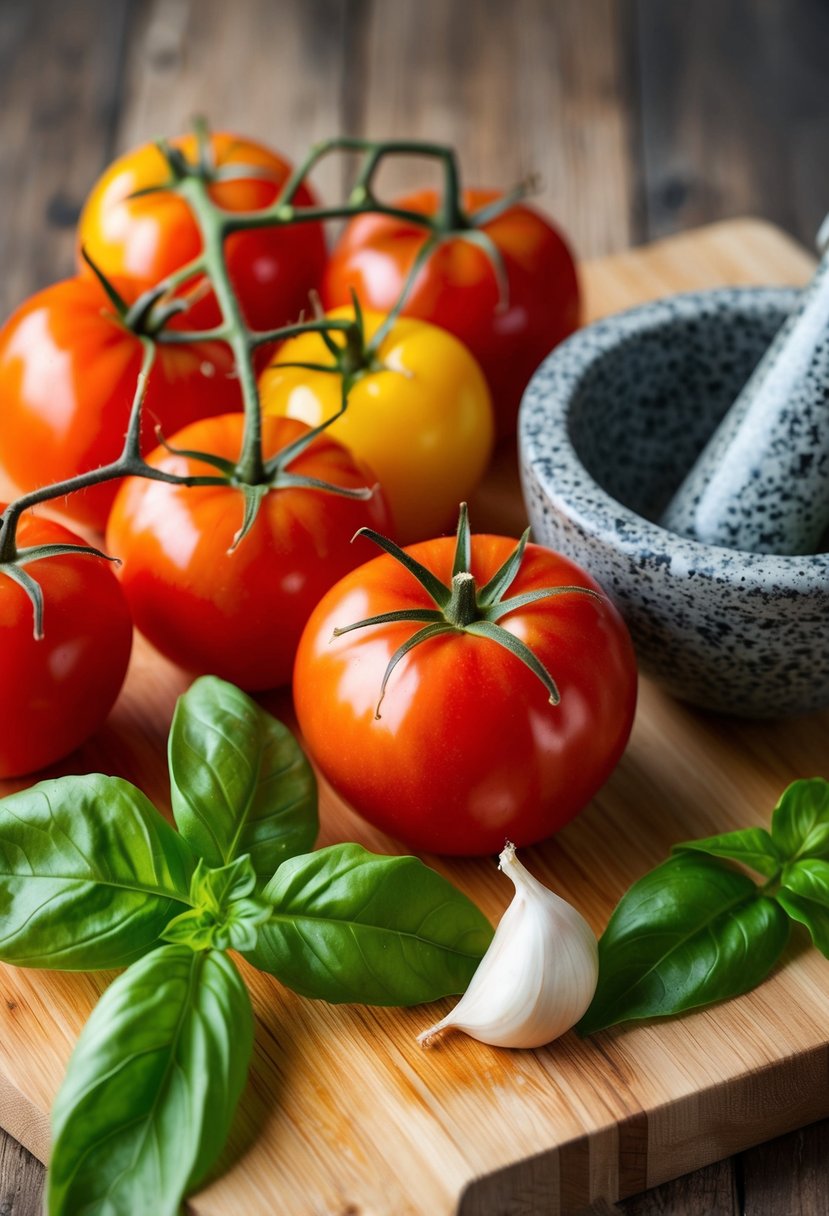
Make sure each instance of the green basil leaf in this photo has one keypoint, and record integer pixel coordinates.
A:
(225, 914)
(348, 925)
(754, 847)
(217, 888)
(90, 874)
(800, 823)
(689, 932)
(805, 896)
(240, 781)
(150, 1090)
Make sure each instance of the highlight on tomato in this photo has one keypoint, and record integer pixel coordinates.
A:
(57, 689)
(460, 693)
(500, 277)
(69, 362)
(419, 411)
(130, 225)
(221, 578)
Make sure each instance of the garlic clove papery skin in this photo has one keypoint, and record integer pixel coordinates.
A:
(538, 976)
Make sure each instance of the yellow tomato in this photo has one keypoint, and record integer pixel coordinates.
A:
(419, 415)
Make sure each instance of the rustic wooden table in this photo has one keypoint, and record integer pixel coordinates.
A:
(641, 118)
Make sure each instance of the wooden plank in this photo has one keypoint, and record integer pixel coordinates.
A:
(712, 1189)
(21, 1181)
(344, 1110)
(271, 71)
(787, 1176)
(522, 89)
(734, 112)
(59, 70)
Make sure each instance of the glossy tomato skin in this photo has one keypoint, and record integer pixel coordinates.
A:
(458, 290)
(424, 423)
(272, 270)
(236, 614)
(68, 373)
(468, 752)
(57, 690)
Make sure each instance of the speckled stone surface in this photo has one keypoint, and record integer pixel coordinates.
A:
(762, 481)
(609, 426)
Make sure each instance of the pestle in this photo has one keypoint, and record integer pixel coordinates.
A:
(761, 483)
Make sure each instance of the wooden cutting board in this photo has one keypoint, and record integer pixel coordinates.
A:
(344, 1114)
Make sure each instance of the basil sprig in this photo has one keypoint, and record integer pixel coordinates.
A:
(696, 929)
(92, 876)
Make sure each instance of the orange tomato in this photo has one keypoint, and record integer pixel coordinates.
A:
(272, 269)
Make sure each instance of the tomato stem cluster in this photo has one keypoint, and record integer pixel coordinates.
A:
(462, 606)
(148, 317)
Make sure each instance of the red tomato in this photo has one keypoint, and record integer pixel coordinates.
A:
(236, 614)
(57, 690)
(68, 372)
(468, 752)
(272, 270)
(458, 289)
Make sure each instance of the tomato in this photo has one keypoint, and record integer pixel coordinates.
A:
(458, 287)
(148, 237)
(57, 690)
(468, 751)
(419, 414)
(68, 373)
(239, 613)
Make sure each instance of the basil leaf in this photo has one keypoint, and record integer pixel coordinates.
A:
(240, 782)
(754, 847)
(689, 932)
(150, 1090)
(90, 874)
(805, 896)
(349, 925)
(800, 823)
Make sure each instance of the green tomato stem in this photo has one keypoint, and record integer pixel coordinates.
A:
(462, 608)
(250, 468)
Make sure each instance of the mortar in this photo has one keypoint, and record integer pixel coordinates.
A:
(609, 425)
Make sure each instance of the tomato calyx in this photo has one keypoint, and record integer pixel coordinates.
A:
(275, 475)
(153, 309)
(354, 356)
(451, 222)
(204, 167)
(462, 607)
(13, 567)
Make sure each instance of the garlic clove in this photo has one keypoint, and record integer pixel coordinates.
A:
(538, 976)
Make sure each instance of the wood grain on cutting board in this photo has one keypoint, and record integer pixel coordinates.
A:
(344, 1113)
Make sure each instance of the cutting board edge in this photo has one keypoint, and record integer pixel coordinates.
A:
(628, 1156)
(23, 1119)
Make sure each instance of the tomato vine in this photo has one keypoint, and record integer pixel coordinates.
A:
(148, 317)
